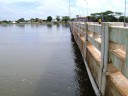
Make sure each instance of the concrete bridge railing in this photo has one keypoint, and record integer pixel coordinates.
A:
(105, 50)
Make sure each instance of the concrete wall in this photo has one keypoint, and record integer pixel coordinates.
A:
(105, 50)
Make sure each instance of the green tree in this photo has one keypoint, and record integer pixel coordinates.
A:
(58, 18)
(72, 19)
(121, 19)
(118, 14)
(65, 18)
(32, 20)
(49, 18)
(21, 20)
(108, 16)
(5, 21)
(37, 20)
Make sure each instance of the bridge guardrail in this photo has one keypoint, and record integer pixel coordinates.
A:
(105, 49)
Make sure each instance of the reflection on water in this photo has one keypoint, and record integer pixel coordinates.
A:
(57, 25)
(41, 60)
(81, 77)
(49, 25)
(65, 25)
(20, 25)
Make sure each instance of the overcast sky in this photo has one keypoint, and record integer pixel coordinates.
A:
(15, 9)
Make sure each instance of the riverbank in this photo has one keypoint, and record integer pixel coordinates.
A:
(58, 22)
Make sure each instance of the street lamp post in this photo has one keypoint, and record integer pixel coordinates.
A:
(69, 10)
(125, 14)
(87, 8)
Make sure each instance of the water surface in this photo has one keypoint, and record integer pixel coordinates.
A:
(41, 60)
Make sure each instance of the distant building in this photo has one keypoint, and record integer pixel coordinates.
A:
(14, 22)
(54, 20)
(81, 19)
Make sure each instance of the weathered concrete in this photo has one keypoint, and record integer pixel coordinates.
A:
(105, 51)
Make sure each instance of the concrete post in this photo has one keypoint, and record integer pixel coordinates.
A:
(86, 30)
(104, 55)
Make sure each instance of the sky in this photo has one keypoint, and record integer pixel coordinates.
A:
(15, 9)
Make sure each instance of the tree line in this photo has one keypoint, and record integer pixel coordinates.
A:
(107, 16)
(38, 20)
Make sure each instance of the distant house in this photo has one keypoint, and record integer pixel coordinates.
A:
(54, 20)
(13, 22)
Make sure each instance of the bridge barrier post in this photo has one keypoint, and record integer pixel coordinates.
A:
(104, 55)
